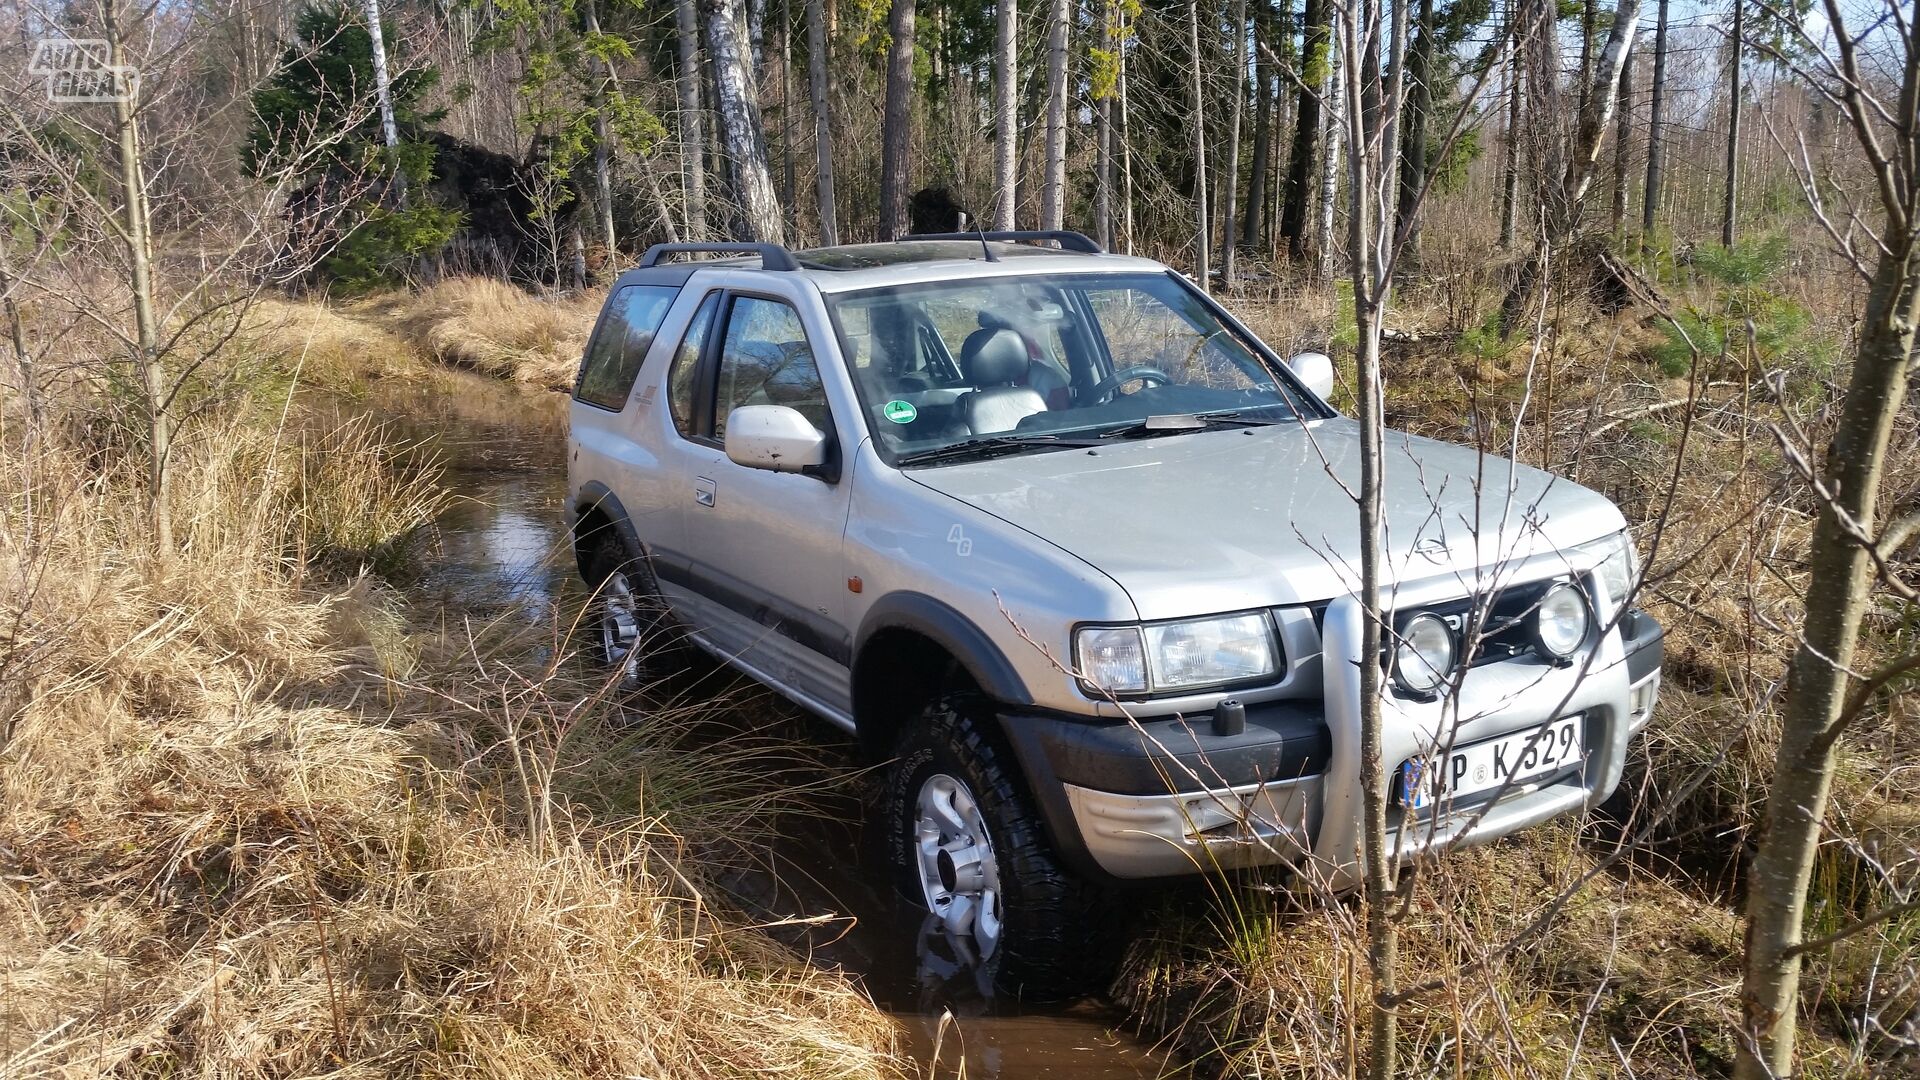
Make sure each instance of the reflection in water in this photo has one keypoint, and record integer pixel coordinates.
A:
(503, 545)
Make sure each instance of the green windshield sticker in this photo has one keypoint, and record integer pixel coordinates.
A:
(900, 412)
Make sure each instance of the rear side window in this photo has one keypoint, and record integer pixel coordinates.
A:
(625, 335)
(686, 365)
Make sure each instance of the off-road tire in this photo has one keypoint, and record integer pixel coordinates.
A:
(1055, 925)
(662, 649)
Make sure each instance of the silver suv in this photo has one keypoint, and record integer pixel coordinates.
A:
(1057, 537)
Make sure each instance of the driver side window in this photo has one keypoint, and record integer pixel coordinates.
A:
(766, 360)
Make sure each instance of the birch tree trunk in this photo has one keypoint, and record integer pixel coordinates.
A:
(1230, 185)
(896, 135)
(1006, 112)
(1053, 185)
(693, 138)
(382, 85)
(817, 47)
(739, 117)
(1333, 87)
(139, 249)
(1650, 195)
(1255, 224)
(1202, 238)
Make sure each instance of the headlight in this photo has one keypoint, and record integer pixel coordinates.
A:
(1112, 658)
(1618, 569)
(1561, 621)
(1423, 658)
(1178, 655)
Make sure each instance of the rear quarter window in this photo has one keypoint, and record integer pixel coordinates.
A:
(621, 343)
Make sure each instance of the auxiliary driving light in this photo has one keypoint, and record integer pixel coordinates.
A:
(1560, 622)
(1424, 657)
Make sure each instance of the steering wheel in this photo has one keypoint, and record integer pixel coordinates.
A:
(1106, 388)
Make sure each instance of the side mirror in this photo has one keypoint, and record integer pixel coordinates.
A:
(774, 437)
(1315, 369)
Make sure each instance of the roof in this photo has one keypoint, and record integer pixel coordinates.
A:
(850, 267)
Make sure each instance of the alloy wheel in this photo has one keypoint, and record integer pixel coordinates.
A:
(959, 878)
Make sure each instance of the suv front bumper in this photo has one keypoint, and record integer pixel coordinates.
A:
(1165, 796)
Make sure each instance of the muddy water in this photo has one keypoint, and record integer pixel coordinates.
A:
(503, 544)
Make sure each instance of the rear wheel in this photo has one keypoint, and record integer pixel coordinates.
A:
(966, 842)
(632, 629)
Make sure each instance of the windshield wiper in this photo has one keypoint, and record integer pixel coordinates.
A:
(992, 446)
(1166, 423)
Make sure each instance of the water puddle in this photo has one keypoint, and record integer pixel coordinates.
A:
(503, 545)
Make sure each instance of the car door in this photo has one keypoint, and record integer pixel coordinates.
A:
(763, 563)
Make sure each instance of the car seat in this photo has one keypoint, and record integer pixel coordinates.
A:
(994, 362)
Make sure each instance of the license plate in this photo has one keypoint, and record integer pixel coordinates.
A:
(1510, 759)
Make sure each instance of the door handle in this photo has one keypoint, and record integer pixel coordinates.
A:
(703, 491)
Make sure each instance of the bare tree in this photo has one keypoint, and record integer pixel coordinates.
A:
(1196, 103)
(93, 180)
(817, 48)
(739, 116)
(1622, 143)
(1053, 186)
(1656, 149)
(1314, 53)
(1419, 118)
(1850, 551)
(1103, 120)
(1255, 224)
(1371, 117)
(1006, 112)
(896, 138)
(693, 138)
(1730, 198)
(1510, 168)
(602, 73)
(139, 248)
(1230, 175)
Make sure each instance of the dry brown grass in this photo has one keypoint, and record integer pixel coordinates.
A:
(255, 825)
(1632, 966)
(496, 328)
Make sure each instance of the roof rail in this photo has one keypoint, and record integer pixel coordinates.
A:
(1066, 238)
(772, 256)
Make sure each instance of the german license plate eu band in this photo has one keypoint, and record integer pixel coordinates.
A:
(1508, 759)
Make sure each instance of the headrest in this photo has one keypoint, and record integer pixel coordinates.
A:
(991, 358)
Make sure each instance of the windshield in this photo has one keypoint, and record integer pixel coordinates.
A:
(1049, 359)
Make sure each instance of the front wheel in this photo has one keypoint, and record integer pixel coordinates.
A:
(966, 842)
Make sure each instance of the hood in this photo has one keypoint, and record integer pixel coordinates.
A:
(1257, 517)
